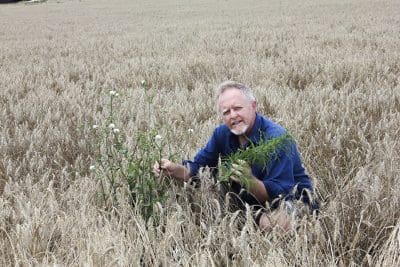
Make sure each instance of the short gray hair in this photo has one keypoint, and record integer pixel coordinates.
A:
(232, 84)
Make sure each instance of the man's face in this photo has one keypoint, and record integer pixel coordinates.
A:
(237, 112)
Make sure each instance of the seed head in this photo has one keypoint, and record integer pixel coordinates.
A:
(158, 139)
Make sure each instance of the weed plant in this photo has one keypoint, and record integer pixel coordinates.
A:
(127, 173)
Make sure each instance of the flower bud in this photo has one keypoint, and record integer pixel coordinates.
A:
(158, 139)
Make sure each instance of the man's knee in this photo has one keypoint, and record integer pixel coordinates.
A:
(279, 218)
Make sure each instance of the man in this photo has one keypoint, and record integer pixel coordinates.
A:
(280, 182)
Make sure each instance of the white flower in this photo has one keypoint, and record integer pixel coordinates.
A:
(143, 82)
(116, 130)
(116, 94)
(95, 126)
(113, 93)
(92, 168)
(111, 126)
(158, 139)
(190, 131)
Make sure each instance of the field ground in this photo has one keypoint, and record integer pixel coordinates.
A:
(329, 71)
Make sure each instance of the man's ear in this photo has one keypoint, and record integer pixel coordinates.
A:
(254, 105)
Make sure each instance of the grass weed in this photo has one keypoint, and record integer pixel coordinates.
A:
(261, 153)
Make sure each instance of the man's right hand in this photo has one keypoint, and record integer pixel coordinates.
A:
(163, 168)
(168, 168)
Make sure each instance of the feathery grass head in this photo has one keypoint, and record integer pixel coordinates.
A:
(262, 153)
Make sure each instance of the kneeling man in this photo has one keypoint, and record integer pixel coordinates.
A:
(281, 182)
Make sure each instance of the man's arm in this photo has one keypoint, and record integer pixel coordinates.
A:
(279, 177)
(242, 174)
(169, 168)
(207, 156)
(257, 188)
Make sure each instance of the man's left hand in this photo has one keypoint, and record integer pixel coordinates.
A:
(241, 173)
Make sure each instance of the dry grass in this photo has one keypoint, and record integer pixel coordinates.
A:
(327, 70)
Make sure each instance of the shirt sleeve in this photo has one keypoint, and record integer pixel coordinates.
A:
(207, 156)
(279, 177)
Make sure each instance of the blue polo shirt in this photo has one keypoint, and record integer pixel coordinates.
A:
(283, 177)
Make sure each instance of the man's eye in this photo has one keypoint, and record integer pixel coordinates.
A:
(237, 108)
(225, 113)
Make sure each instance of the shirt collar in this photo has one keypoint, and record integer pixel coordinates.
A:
(256, 131)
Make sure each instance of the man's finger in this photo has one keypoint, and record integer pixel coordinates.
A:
(165, 163)
(241, 162)
(156, 172)
(237, 173)
(234, 178)
(236, 167)
(156, 165)
(157, 169)
(160, 177)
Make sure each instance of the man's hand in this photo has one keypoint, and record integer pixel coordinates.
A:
(241, 173)
(163, 168)
(168, 168)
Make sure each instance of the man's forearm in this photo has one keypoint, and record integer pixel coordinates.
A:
(181, 172)
(257, 188)
(169, 168)
(241, 173)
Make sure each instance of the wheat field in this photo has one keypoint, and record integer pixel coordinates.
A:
(327, 70)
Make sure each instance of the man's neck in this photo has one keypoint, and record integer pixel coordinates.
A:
(242, 140)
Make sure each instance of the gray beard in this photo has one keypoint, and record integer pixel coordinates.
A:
(241, 132)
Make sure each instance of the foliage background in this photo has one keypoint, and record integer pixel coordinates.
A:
(327, 70)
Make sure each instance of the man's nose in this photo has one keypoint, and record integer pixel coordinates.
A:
(233, 113)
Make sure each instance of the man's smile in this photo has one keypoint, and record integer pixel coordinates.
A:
(234, 123)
